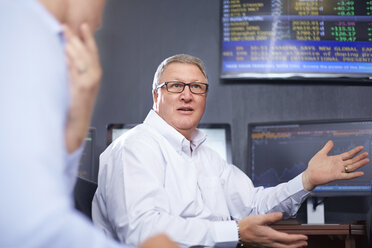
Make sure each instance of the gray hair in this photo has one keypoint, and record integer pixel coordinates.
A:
(180, 58)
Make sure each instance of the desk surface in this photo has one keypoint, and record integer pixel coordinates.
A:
(327, 229)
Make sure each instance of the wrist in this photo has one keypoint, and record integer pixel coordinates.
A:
(306, 182)
(240, 242)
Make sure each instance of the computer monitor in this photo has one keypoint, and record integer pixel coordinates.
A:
(86, 166)
(115, 130)
(218, 136)
(280, 151)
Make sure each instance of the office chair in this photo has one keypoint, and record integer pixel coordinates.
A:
(83, 194)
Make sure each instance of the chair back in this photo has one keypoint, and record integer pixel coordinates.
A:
(83, 194)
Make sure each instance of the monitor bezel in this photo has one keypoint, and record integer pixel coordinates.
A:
(322, 193)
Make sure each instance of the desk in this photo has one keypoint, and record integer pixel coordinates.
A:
(328, 236)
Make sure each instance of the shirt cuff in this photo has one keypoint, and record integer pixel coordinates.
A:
(295, 184)
(296, 189)
(225, 233)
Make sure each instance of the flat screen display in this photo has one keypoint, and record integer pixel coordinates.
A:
(296, 39)
(218, 136)
(280, 151)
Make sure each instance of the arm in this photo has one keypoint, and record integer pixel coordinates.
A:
(84, 78)
(244, 199)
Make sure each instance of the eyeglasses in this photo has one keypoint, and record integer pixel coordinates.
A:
(178, 87)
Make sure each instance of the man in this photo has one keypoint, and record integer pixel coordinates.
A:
(45, 111)
(161, 177)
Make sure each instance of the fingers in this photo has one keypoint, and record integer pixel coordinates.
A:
(74, 48)
(356, 166)
(359, 164)
(289, 240)
(359, 157)
(82, 52)
(88, 37)
(282, 239)
(255, 231)
(327, 147)
(351, 153)
(347, 176)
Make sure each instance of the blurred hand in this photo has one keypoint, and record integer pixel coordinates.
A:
(159, 241)
(85, 75)
(255, 232)
(323, 169)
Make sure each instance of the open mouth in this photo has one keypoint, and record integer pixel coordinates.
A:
(186, 109)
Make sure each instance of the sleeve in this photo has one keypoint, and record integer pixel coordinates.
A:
(72, 167)
(36, 207)
(138, 205)
(244, 199)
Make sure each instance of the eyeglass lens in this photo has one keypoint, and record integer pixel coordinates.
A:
(178, 87)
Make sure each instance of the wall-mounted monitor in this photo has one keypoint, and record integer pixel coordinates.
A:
(296, 39)
(218, 136)
(280, 151)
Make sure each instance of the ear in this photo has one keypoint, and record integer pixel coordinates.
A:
(155, 95)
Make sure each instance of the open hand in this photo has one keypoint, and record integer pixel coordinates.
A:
(323, 169)
(255, 232)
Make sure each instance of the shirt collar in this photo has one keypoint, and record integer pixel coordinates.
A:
(50, 21)
(175, 138)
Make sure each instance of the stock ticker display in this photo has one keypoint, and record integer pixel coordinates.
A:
(279, 152)
(296, 38)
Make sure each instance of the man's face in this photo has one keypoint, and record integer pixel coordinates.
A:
(85, 11)
(184, 110)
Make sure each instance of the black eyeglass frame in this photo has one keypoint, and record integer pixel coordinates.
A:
(184, 86)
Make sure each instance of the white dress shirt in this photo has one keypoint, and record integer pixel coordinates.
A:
(150, 181)
(37, 175)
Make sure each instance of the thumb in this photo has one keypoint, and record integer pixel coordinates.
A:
(327, 147)
(271, 217)
(88, 37)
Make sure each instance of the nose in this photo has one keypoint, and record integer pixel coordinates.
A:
(186, 94)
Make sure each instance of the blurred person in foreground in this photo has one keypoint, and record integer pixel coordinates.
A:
(49, 79)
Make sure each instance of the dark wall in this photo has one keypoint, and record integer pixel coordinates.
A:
(137, 35)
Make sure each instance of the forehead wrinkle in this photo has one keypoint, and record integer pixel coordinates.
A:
(183, 75)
